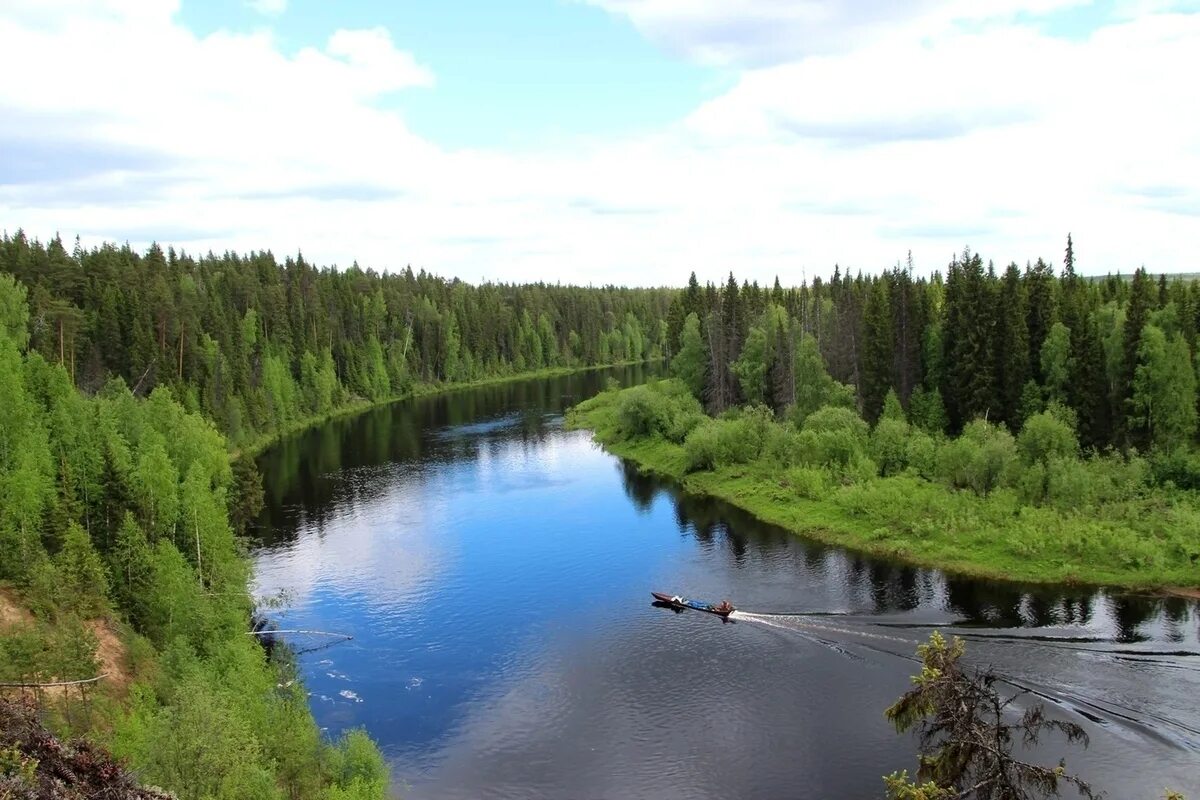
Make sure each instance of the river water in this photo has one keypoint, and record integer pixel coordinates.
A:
(495, 569)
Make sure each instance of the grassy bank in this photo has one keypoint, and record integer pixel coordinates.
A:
(358, 405)
(1143, 537)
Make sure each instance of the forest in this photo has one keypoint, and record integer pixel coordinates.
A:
(1022, 424)
(1030, 423)
(257, 346)
(129, 384)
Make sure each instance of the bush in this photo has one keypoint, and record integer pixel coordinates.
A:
(889, 445)
(660, 409)
(702, 448)
(1180, 466)
(1045, 437)
(833, 436)
(981, 459)
(809, 482)
(643, 412)
(1068, 483)
(684, 423)
(920, 453)
(782, 446)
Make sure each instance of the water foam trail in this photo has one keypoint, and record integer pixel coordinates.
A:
(1099, 711)
(795, 622)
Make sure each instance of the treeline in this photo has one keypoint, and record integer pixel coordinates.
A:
(118, 508)
(972, 343)
(1030, 425)
(256, 345)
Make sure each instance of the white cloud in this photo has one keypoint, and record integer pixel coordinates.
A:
(952, 127)
(269, 8)
(763, 32)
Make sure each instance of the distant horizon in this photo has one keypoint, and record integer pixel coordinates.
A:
(716, 279)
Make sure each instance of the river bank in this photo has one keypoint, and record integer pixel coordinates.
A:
(1138, 544)
(358, 405)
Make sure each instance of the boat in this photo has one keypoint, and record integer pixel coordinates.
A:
(680, 603)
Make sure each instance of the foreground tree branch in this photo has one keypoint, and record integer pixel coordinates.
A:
(967, 735)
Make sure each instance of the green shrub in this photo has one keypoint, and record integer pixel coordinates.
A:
(1179, 466)
(833, 436)
(1045, 437)
(920, 454)
(643, 412)
(981, 459)
(1068, 483)
(889, 445)
(1030, 483)
(782, 446)
(664, 409)
(812, 483)
(684, 423)
(701, 448)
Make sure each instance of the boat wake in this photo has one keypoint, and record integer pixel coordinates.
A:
(1007, 655)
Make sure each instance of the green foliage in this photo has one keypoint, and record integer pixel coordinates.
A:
(14, 312)
(702, 447)
(1057, 363)
(114, 505)
(1031, 402)
(751, 367)
(690, 363)
(357, 768)
(892, 408)
(660, 409)
(889, 446)
(1100, 519)
(814, 387)
(967, 738)
(921, 454)
(927, 411)
(1163, 403)
(834, 437)
(1045, 436)
(81, 578)
(979, 459)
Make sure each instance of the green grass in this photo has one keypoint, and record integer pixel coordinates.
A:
(1151, 541)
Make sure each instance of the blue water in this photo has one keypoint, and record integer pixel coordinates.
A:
(495, 569)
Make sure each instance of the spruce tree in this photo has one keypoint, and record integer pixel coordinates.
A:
(876, 350)
(1041, 309)
(1012, 346)
(1137, 312)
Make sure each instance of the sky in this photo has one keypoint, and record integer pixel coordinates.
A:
(609, 141)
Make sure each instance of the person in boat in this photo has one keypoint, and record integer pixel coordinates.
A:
(725, 607)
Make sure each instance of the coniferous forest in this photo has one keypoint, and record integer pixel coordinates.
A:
(126, 382)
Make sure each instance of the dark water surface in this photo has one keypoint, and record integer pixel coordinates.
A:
(495, 572)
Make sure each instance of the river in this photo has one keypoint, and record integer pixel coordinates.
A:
(494, 570)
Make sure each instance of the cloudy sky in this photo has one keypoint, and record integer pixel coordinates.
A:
(597, 141)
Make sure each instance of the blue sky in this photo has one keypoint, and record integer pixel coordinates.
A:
(609, 141)
(516, 74)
